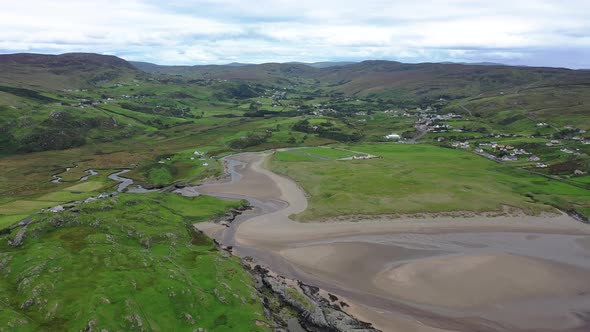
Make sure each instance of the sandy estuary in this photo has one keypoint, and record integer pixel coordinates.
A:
(509, 273)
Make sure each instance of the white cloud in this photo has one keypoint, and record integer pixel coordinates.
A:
(218, 31)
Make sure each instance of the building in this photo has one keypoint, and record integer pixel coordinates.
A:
(393, 136)
(509, 158)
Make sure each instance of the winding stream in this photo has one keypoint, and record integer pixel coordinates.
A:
(127, 183)
(90, 173)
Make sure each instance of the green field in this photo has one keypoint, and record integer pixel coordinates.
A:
(420, 178)
(310, 154)
(14, 209)
(127, 263)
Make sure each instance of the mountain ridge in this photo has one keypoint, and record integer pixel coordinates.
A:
(63, 71)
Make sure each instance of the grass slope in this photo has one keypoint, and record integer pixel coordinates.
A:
(420, 178)
(127, 263)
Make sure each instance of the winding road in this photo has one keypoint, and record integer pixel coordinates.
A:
(512, 273)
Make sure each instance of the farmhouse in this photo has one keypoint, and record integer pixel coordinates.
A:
(462, 145)
(362, 156)
(392, 136)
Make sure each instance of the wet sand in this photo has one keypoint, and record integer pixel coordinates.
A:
(476, 273)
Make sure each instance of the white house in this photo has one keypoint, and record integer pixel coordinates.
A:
(393, 136)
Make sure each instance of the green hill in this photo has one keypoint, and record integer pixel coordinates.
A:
(65, 71)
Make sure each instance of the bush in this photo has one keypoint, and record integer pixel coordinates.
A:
(250, 140)
(160, 175)
(52, 139)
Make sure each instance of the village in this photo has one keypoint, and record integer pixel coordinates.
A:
(566, 145)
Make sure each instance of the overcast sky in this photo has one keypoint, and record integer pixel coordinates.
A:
(529, 32)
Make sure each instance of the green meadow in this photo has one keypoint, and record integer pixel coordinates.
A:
(420, 178)
(131, 262)
(17, 208)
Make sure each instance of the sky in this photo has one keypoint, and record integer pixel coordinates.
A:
(174, 32)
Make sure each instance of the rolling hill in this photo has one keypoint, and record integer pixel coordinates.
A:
(390, 79)
(65, 71)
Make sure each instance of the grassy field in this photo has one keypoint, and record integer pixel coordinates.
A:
(15, 208)
(311, 154)
(420, 178)
(127, 263)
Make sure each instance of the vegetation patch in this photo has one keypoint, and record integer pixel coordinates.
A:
(420, 178)
(125, 263)
(159, 175)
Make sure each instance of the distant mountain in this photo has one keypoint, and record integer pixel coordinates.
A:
(473, 63)
(146, 66)
(324, 64)
(85, 61)
(428, 81)
(163, 69)
(153, 68)
(263, 72)
(385, 79)
(388, 78)
(70, 70)
(238, 64)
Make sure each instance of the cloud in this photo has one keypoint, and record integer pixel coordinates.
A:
(219, 31)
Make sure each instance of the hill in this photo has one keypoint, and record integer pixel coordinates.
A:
(262, 73)
(65, 71)
(388, 79)
(433, 80)
(325, 64)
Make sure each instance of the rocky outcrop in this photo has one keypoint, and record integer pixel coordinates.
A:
(18, 239)
(295, 306)
(229, 217)
(577, 215)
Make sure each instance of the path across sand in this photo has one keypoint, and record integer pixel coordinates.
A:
(436, 274)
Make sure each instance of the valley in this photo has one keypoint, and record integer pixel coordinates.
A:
(423, 197)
